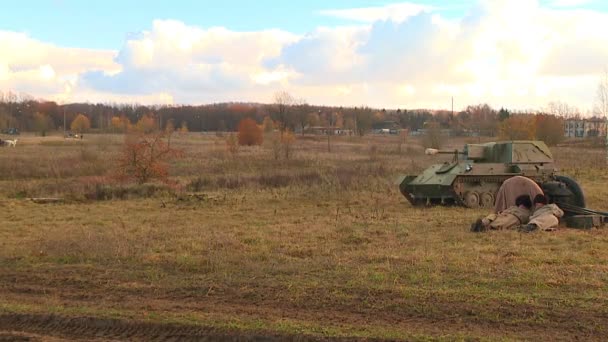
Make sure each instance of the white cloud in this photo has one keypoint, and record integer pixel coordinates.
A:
(507, 53)
(517, 54)
(45, 70)
(192, 63)
(323, 54)
(171, 42)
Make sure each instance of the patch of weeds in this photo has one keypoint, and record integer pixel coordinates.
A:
(300, 253)
(251, 241)
(104, 192)
(187, 263)
(21, 194)
(355, 238)
(198, 184)
(377, 277)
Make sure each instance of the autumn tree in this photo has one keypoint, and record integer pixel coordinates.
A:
(379, 117)
(267, 125)
(146, 124)
(184, 127)
(249, 133)
(282, 144)
(145, 157)
(519, 127)
(42, 123)
(169, 130)
(120, 123)
(287, 140)
(549, 128)
(80, 124)
(339, 119)
(232, 144)
(116, 123)
(313, 119)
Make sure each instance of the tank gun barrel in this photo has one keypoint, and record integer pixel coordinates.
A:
(434, 151)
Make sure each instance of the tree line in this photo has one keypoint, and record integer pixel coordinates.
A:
(288, 113)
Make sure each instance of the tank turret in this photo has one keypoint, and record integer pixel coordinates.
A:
(476, 172)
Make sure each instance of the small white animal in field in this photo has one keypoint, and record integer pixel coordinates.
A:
(10, 143)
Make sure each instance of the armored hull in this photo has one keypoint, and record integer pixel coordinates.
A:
(475, 174)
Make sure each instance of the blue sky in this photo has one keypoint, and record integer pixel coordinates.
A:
(106, 24)
(521, 54)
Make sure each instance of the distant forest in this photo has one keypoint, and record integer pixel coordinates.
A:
(27, 114)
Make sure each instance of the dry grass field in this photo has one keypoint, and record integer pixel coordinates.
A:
(318, 246)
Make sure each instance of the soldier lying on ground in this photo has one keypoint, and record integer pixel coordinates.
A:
(545, 216)
(509, 218)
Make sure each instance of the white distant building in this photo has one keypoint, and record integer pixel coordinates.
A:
(585, 128)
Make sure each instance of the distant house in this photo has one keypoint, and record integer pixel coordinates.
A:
(423, 131)
(324, 130)
(585, 128)
(11, 131)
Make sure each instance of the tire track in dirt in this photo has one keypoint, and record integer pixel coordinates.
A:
(86, 288)
(17, 326)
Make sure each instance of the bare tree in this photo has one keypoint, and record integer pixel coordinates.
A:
(601, 105)
(301, 110)
(601, 101)
(282, 103)
(562, 109)
(483, 119)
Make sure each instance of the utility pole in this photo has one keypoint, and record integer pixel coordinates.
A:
(64, 132)
(452, 106)
(356, 119)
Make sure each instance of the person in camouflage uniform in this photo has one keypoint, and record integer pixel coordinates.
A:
(509, 218)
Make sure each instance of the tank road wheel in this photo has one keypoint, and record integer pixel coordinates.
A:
(471, 199)
(487, 200)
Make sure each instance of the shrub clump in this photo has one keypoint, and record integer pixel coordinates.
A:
(250, 133)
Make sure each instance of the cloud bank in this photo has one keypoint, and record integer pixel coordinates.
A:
(517, 54)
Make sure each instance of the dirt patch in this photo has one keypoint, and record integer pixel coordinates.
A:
(30, 327)
(428, 316)
(19, 336)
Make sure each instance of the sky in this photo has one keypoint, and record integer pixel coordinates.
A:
(519, 54)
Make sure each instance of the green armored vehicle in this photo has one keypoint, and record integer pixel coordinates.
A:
(475, 174)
